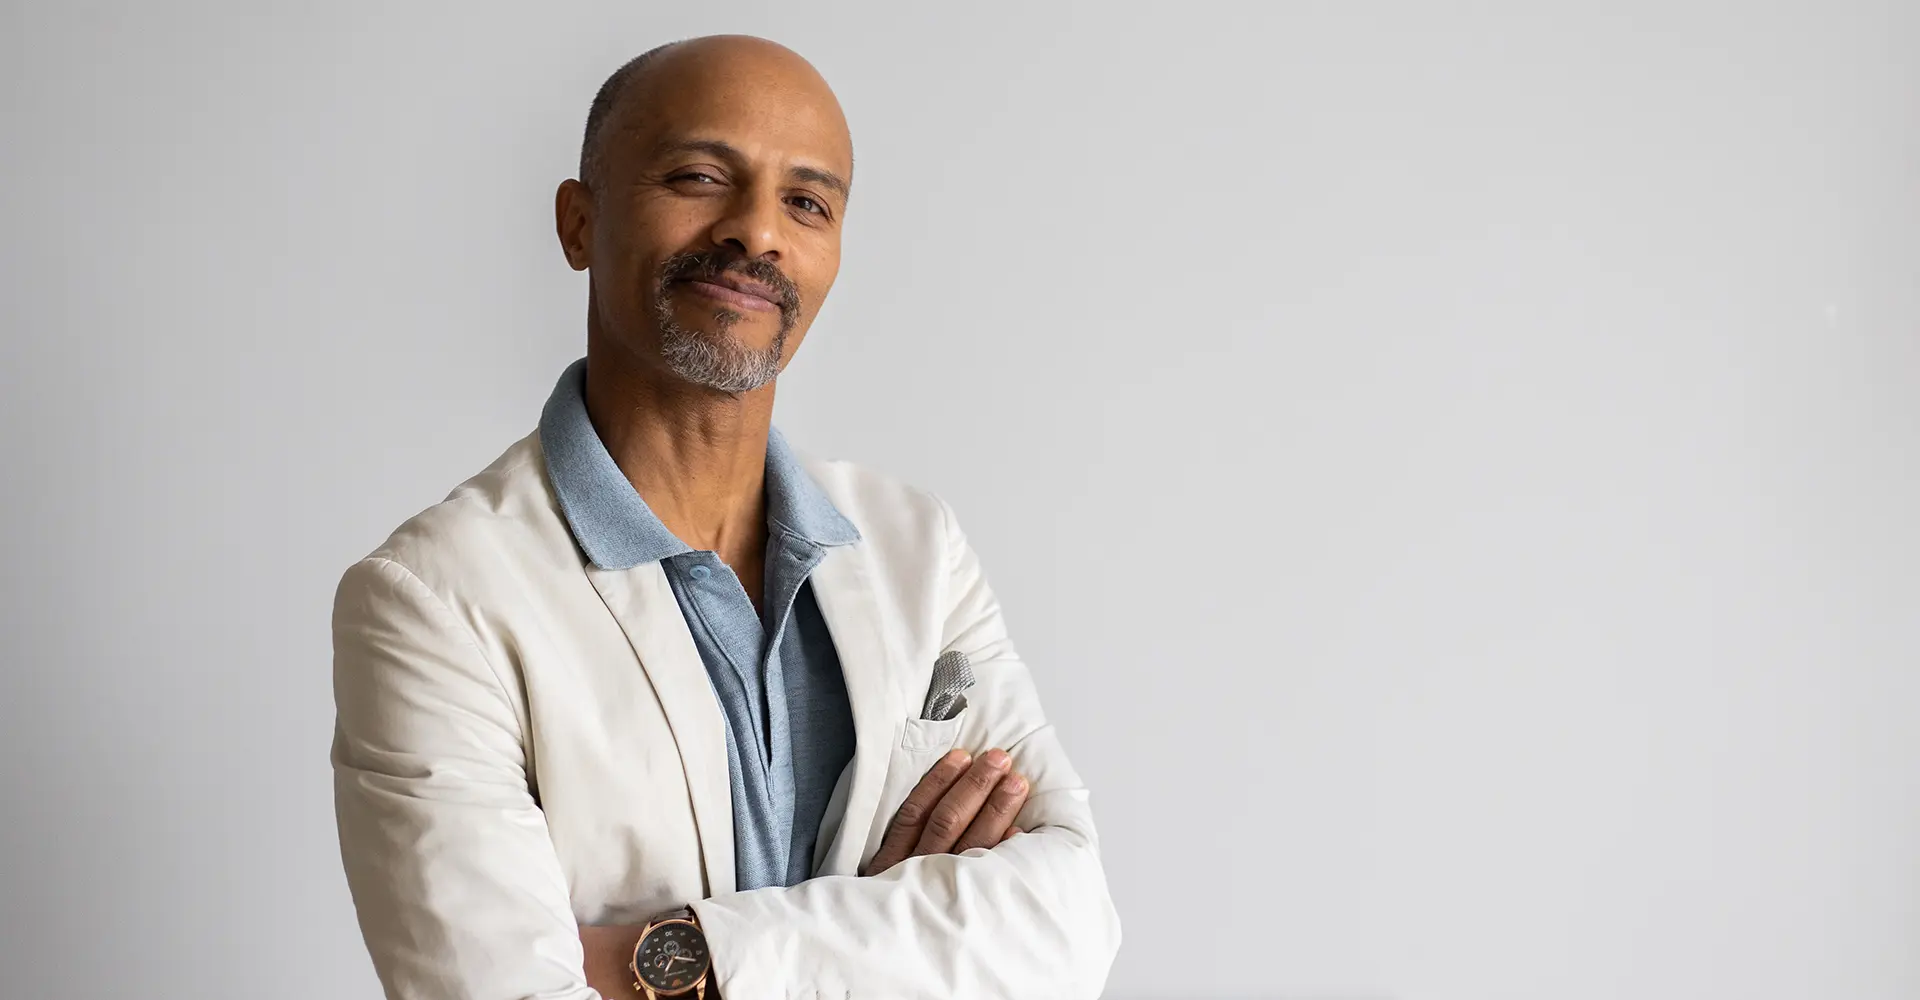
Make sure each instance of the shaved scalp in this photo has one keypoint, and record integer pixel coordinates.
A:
(619, 86)
(604, 101)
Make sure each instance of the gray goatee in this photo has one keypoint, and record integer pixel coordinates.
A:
(719, 360)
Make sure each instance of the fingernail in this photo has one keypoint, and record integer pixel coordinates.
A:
(1016, 784)
(997, 759)
(960, 757)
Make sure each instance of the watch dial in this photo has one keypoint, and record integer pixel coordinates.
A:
(672, 957)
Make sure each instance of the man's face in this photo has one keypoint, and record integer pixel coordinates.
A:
(715, 221)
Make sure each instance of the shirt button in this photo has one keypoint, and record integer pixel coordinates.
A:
(699, 572)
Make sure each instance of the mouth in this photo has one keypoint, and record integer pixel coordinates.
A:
(737, 291)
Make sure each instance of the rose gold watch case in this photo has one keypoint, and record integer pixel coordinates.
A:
(698, 987)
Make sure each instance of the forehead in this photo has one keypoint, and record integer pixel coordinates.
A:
(771, 113)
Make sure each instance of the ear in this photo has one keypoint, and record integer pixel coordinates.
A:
(573, 222)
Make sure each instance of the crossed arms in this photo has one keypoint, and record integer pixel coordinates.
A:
(460, 892)
(960, 805)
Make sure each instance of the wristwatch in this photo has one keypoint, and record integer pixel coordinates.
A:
(671, 957)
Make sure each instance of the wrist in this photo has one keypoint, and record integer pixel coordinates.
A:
(608, 950)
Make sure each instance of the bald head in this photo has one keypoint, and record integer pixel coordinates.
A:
(633, 86)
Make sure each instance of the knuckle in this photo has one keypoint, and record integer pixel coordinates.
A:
(945, 824)
(911, 814)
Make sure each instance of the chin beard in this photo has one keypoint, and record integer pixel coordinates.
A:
(717, 360)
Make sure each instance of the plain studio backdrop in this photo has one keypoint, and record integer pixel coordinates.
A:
(1452, 468)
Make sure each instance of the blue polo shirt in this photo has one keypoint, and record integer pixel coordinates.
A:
(776, 676)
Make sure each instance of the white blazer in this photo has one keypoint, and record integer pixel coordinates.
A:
(526, 743)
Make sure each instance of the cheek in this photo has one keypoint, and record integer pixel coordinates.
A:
(651, 230)
(619, 266)
(817, 279)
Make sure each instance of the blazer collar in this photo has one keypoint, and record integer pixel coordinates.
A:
(847, 591)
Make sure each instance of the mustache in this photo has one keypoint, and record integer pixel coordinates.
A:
(708, 264)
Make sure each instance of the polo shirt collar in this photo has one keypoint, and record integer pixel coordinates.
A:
(616, 528)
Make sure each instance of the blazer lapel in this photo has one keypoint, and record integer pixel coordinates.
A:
(843, 587)
(642, 601)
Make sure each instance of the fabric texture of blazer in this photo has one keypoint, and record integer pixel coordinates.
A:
(526, 743)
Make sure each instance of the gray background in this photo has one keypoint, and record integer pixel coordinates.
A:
(1451, 466)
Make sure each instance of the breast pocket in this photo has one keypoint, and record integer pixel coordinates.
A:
(921, 744)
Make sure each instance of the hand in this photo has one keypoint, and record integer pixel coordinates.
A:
(960, 804)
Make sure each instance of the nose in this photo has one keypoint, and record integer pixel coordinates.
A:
(751, 225)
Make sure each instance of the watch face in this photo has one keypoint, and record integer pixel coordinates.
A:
(672, 957)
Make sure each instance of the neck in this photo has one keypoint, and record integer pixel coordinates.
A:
(698, 457)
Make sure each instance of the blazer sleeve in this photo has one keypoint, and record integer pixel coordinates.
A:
(455, 881)
(1031, 917)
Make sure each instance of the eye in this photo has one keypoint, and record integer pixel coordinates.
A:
(694, 176)
(806, 204)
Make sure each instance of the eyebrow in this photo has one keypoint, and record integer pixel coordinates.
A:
(825, 178)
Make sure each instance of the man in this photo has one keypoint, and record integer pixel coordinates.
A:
(651, 659)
